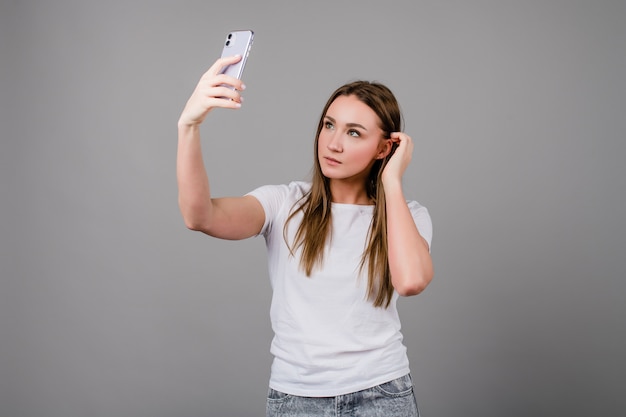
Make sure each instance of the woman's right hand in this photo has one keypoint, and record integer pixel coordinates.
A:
(213, 90)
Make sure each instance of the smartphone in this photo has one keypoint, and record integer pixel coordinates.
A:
(237, 42)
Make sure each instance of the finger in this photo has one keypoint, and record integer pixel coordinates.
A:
(395, 138)
(219, 65)
(220, 86)
(223, 102)
(223, 79)
(229, 104)
(399, 135)
(402, 139)
(224, 92)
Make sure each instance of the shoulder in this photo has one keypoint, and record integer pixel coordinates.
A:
(276, 198)
(414, 206)
(418, 211)
(294, 189)
(298, 189)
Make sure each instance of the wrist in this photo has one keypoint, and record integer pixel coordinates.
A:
(186, 125)
(188, 132)
(392, 184)
(393, 191)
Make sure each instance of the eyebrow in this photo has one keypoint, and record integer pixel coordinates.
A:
(347, 124)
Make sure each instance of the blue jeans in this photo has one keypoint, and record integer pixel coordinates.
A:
(391, 399)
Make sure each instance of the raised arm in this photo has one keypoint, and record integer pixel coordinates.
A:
(409, 256)
(226, 218)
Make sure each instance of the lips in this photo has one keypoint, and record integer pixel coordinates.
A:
(332, 161)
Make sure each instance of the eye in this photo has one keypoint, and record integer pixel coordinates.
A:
(354, 133)
(328, 125)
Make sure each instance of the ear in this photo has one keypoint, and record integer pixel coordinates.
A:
(384, 148)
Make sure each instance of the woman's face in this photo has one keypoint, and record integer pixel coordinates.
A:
(351, 140)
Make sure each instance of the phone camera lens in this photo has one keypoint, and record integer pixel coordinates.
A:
(227, 43)
(230, 35)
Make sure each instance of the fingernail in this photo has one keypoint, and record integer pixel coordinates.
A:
(243, 87)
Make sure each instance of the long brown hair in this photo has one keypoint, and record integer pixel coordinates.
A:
(315, 229)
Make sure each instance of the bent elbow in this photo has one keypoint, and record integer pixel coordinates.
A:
(412, 287)
(193, 226)
(194, 219)
(194, 223)
(410, 290)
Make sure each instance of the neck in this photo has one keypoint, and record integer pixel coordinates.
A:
(345, 192)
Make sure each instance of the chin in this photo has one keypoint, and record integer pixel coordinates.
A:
(328, 173)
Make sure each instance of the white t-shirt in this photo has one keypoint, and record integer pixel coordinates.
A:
(329, 339)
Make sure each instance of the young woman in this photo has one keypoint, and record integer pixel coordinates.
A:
(341, 249)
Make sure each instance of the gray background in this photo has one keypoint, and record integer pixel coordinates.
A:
(110, 307)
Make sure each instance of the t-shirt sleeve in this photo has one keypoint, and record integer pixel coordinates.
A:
(272, 198)
(422, 221)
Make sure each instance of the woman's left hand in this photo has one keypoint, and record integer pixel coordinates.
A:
(400, 159)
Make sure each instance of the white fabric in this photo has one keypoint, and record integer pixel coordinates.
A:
(328, 338)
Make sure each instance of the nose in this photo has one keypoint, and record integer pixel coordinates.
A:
(334, 143)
